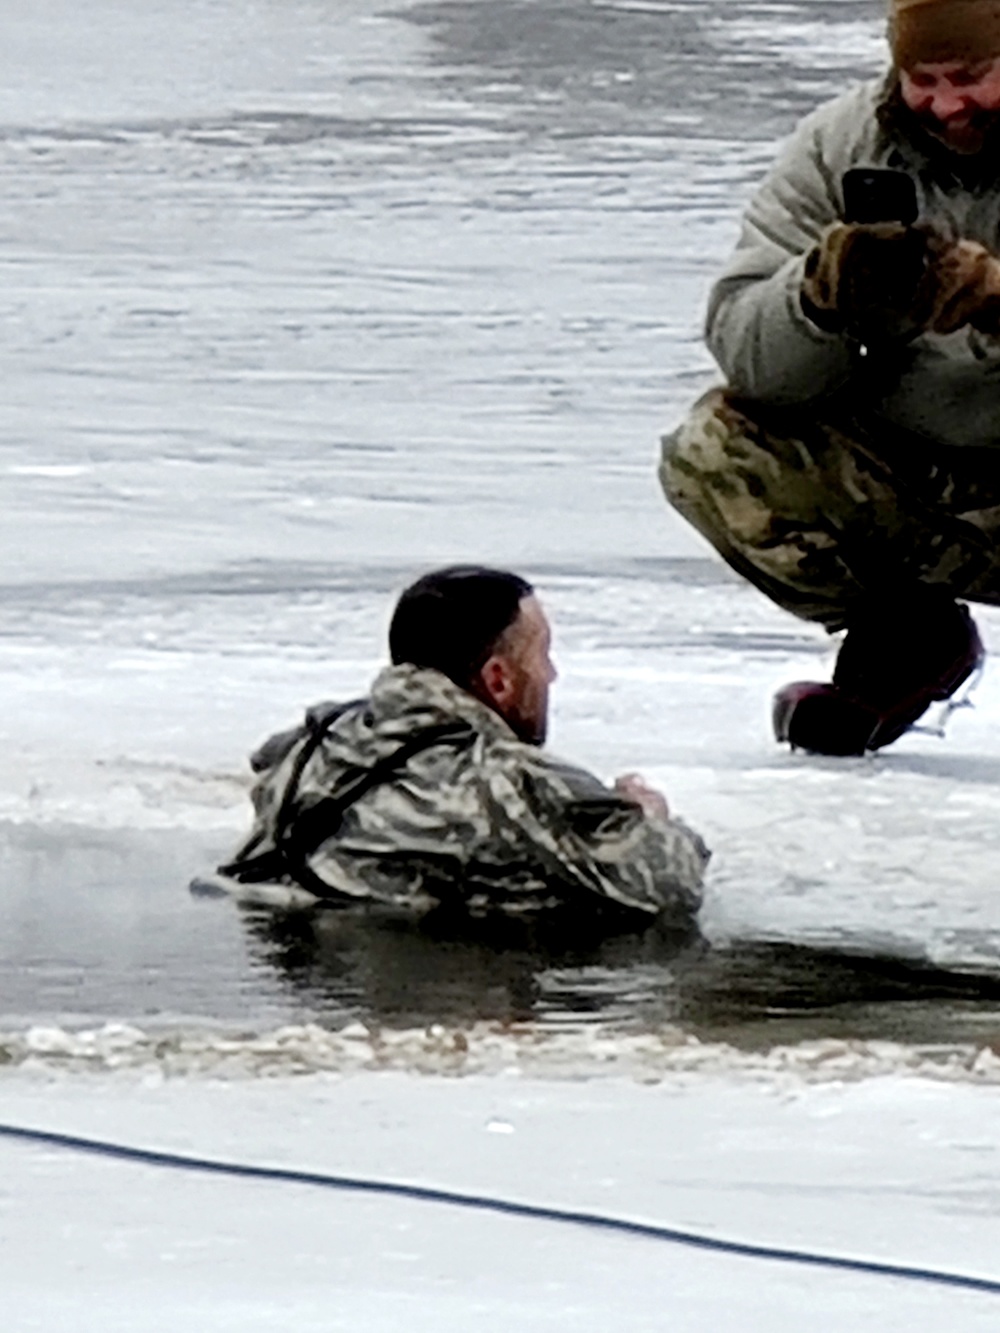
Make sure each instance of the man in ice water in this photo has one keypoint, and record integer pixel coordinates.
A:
(435, 787)
(850, 469)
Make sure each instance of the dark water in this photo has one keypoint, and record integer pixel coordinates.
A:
(103, 927)
(559, 975)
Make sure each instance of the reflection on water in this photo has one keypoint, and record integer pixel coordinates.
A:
(398, 972)
(758, 994)
(388, 968)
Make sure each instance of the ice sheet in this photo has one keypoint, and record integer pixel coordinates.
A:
(898, 1172)
(298, 299)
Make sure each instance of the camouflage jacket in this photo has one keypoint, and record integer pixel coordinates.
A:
(945, 387)
(462, 810)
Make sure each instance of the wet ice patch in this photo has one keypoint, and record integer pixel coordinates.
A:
(120, 793)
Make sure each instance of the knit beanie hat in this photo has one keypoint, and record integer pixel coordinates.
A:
(936, 31)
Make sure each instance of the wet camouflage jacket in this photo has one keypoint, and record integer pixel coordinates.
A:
(945, 387)
(472, 814)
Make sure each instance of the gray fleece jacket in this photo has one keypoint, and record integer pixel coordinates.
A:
(946, 388)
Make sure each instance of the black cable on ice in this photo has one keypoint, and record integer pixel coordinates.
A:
(488, 1203)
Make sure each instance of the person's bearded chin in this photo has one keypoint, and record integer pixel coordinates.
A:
(968, 135)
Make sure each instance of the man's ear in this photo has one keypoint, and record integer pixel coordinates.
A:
(495, 681)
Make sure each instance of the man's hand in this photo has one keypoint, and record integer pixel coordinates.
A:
(871, 280)
(634, 788)
(884, 280)
(966, 289)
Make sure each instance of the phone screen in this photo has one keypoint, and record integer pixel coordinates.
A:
(879, 194)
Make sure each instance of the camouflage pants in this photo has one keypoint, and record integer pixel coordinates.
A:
(820, 515)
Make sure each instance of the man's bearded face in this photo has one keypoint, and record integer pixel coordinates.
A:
(957, 103)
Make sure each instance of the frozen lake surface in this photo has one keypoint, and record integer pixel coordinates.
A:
(301, 299)
(884, 1171)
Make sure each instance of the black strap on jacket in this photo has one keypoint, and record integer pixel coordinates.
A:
(298, 834)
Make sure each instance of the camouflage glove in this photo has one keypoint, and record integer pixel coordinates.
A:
(965, 288)
(870, 280)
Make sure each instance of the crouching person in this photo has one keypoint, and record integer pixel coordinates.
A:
(435, 788)
(850, 469)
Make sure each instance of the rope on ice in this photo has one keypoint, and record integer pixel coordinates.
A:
(489, 1203)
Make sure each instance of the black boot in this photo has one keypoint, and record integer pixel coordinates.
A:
(901, 654)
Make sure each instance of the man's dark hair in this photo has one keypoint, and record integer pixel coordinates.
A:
(452, 619)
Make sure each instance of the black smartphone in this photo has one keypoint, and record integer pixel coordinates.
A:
(879, 194)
